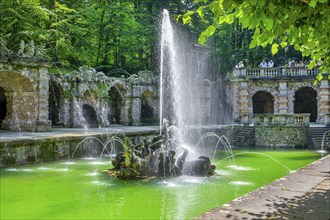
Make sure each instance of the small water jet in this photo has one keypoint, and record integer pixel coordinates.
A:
(325, 143)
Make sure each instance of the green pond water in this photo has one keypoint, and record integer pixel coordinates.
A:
(77, 190)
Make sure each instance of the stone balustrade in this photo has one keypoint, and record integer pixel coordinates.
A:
(281, 119)
(274, 72)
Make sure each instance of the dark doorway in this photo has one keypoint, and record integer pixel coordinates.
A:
(89, 115)
(147, 111)
(305, 102)
(3, 105)
(116, 103)
(263, 103)
(54, 103)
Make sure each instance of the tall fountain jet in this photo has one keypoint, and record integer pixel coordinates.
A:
(184, 93)
(182, 148)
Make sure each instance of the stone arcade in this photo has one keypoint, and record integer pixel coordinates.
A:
(32, 98)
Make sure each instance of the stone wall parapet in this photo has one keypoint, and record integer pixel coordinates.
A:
(281, 119)
(256, 73)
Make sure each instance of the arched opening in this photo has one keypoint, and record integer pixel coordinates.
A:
(54, 108)
(3, 105)
(305, 102)
(116, 104)
(21, 103)
(147, 111)
(89, 115)
(263, 103)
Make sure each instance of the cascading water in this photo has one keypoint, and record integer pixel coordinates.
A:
(184, 93)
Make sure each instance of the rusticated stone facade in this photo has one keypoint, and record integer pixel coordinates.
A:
(33, 99)
(284, 90)
(25, 87)
(114, 100)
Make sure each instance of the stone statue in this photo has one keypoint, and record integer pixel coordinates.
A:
(158, 158)
(20, 52)
(30, 49)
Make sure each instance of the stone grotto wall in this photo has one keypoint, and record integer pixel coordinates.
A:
(281, 136)
(25, 85)
(110, 97)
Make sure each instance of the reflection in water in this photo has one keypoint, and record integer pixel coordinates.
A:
(240, 183)
(234, 167)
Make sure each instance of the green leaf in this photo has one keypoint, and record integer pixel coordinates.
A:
(205, 34)
(313, 3)
(200, 11)
(253, 2)
(210, 30)
(274, 48)
(319, 76)
(201, 39)
(261, 2)
(178, 18)
(284, 44)
(229, 18)
(269, 24)
(186, 19)
(272, 7)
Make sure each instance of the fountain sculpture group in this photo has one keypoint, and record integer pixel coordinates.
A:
(158, 158)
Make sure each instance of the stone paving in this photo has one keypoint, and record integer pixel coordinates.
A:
(304, 194)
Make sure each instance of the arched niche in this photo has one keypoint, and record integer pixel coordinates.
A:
(263, 103)
(3, 105)
(55, 102)
(147, 111)
(21, 107)
(305, 101)
(116, 104)
(90, 116)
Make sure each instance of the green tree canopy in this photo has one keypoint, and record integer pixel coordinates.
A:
(304, 24)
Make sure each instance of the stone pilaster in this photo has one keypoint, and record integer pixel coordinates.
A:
(104, 112)
(243, 102)
(136, 110)
(324, 101)
(282, 99)
(76, 113)
(65, 112)
(235, 102)
(42, 122)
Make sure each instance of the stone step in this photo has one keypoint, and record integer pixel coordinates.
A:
(239, 137)
(317, 134)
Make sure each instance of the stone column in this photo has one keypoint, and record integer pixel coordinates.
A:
(324, 101)
(125, 111)
(243, 103)
(235, 102)
(283, 100)
(65, 112)
(78, 120)
(104, 112)
(136, 110)
(42, 122)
